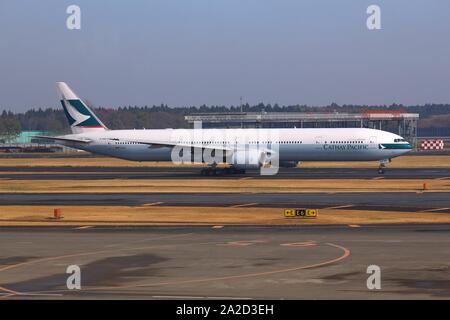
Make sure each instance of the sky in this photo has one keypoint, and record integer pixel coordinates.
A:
(194, 52)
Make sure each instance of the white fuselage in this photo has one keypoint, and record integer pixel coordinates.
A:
(294, 144)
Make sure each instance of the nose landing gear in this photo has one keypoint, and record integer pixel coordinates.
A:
(382, 167)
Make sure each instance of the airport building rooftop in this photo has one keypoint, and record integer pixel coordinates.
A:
(296, 117)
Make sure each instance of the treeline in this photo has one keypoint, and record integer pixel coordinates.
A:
(163, 116)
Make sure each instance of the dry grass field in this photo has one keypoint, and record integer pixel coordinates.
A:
(123, 215)
(227, 185)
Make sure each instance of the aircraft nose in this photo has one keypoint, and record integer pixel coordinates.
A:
(404, 147)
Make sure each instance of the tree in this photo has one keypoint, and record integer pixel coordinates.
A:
(9, 128)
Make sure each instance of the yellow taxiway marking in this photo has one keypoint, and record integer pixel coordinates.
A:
(246, 178)
(153, 204)
(354, 225)
(436, 209)
(377, 178)
(345, 254)
(244, 205)
(340, 207)
(83, 227)
(243, 243)
(217, 227)
(308, 243)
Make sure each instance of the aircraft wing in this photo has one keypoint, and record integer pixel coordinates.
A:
(63, 139)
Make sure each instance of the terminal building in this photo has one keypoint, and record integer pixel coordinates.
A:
(26, 142)
(399, 122)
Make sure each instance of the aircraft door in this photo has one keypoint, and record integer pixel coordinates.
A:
(318, 143)
(373, 142)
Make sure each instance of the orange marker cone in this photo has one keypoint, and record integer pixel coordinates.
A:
(57, 213)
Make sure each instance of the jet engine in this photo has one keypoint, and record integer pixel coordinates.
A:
(249, 159)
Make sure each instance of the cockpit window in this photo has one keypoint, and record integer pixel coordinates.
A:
(400, 140)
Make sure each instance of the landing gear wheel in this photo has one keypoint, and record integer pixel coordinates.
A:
(210, 172)
(382, 167)
(221, 171)
(205, 172)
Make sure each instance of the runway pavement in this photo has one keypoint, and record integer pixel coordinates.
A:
(94, 173)
(380, 201)
(231, 262)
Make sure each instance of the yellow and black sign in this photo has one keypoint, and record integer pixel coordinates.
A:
(289, 213)
(300, 213)
(312, 213)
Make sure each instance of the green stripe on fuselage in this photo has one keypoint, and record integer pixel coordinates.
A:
(392, 146)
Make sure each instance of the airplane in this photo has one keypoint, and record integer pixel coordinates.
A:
(237, 149)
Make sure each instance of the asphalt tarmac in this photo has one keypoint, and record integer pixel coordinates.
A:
(94, 173)
(299, 262)
(438, 202)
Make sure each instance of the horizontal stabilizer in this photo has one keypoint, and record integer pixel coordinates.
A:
(63, 139)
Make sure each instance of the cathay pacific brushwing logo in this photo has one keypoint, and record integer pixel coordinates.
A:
(77, 116)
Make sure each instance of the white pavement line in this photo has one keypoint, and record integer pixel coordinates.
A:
(340, 207)
(244, 205)
(152, 204)
(436, 209)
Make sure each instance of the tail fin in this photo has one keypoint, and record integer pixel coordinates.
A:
(80, 116)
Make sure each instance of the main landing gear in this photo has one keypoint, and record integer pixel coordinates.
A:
(214, 171)
(382, 167)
